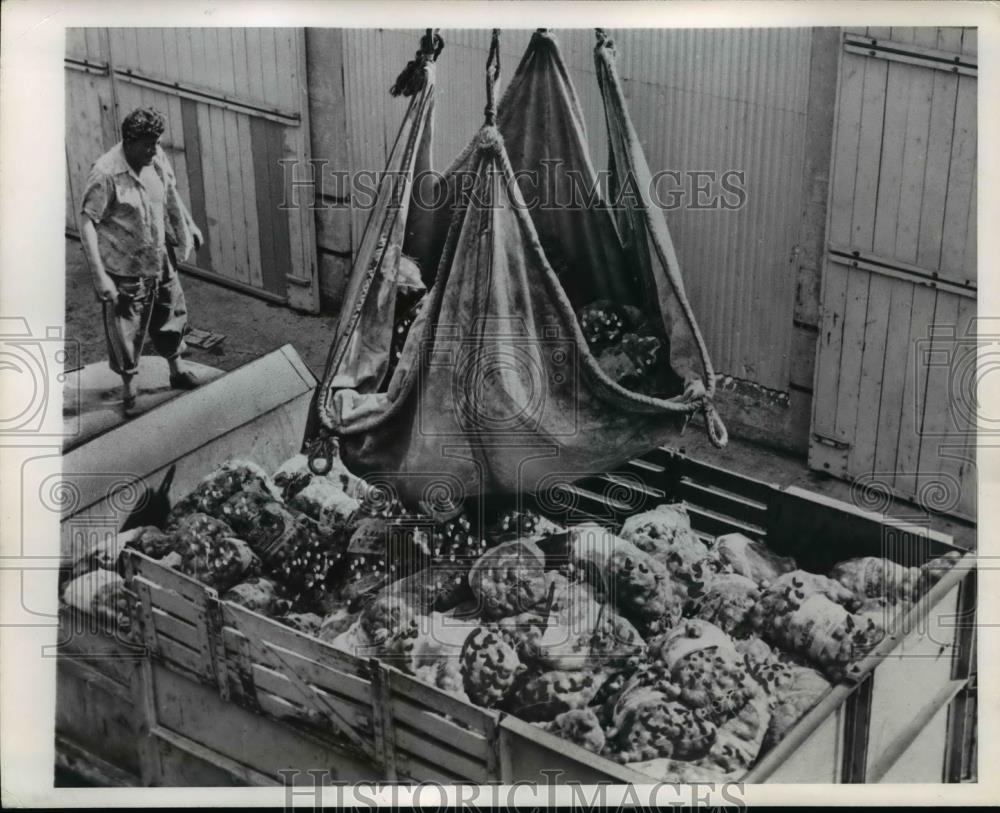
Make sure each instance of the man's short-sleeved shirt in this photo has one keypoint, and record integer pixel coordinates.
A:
(128, 211)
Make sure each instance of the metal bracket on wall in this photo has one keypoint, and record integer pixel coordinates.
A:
(866, 261)
(912, 54)
(86, 66)
(250, 107)
(828, 454)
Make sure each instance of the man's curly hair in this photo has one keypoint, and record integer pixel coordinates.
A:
(143, 122)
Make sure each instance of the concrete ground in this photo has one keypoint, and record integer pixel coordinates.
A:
(253, 327)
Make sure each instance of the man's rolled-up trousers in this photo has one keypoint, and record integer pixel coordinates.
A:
(145, 306)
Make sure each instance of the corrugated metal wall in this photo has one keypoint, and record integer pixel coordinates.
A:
(711, 100)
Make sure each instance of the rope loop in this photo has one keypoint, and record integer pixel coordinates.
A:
(717, 432)
(321, 452)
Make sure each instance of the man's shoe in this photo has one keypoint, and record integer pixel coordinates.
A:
(184, 381)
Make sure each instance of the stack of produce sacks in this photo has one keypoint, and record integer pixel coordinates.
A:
(681, 656)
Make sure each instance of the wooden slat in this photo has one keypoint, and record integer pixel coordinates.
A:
(939, 479)
(251, 243)
(914, 391)
(269, 64)
(677, 465)
(873, 102)
(427, 771)
(831, 336)
(281, 220)
(712, 524)
(212, 204)
(851, 353)
(638, 485)
(76, 43)
(469, 770)
(71, 197)
(170, 602)
(897, 104)
(861, 456)
(845, 150)
(280, 707)
(306, 294)
(213, 157)
(348, 687)
(431, 724)
(962, 411)
(914, 156)
(525, 750)
(320, 655)
(195, 176)
(421, 694)
(195, 711)
(77, 759)
(971, 256)
(195, 754)
(270, 276)
(171, 626)
(177, 654)
(175, 116)
(273, 240)
(166, 578)
(896, 357)
(279, 685)
(219, 155)
(182, 44)
(238, 196)
(95, 43)
(85, 671)
(961, 176)
(722, 502)
(939, 138)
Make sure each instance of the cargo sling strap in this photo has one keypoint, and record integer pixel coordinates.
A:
(496, 389)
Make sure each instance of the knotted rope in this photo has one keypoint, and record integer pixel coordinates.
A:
(412, 78)
(492, 79)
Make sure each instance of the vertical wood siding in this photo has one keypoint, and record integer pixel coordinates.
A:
(892, 349)
(701, 100)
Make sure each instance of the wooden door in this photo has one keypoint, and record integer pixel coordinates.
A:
(236, 109)
(894, 396)
(91, 116)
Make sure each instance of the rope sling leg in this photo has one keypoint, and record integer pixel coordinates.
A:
(323, 447)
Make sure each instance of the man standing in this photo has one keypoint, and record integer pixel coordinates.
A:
(133, 218)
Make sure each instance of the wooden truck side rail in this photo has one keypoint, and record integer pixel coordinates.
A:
(222, 695)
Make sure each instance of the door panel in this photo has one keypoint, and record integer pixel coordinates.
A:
(893, 407)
